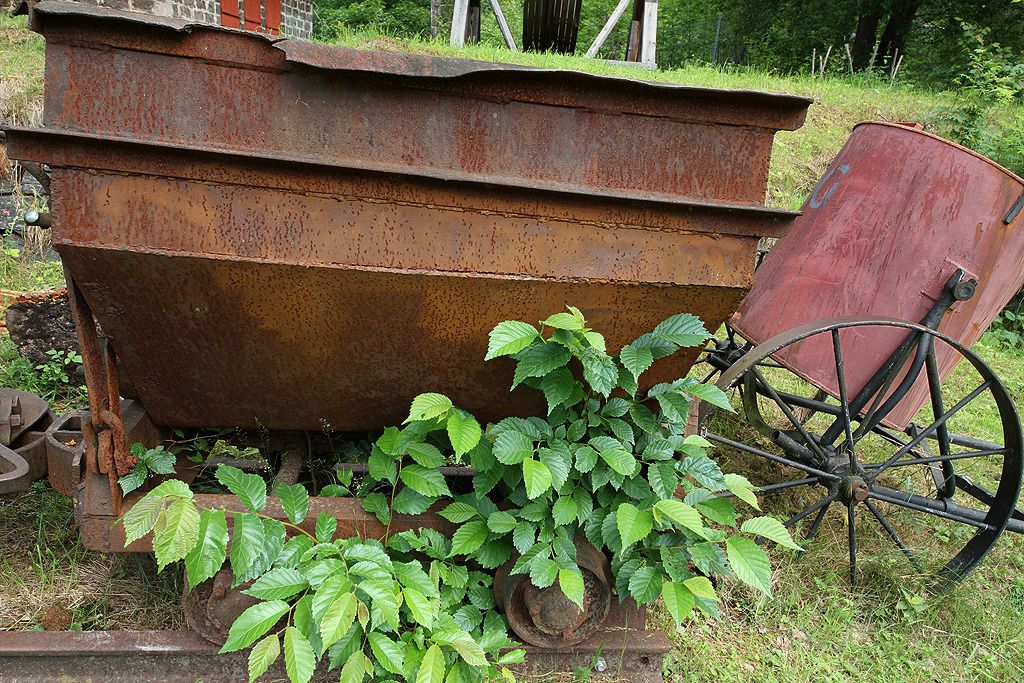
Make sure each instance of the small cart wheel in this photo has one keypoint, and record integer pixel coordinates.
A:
(931, 496)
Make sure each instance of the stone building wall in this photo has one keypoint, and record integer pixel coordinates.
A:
(296, 15)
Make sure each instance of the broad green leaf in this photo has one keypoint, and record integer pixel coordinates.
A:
(408, 502)
(679, 600)
(770, 528)
(425, 455)
(749, 563)
(463, 643)
(160, 461)
(645, 584)
(326, 525)
(741, 488)
(564, 510)
(432, 666)
(253, 623)
(501, 522)
(709, 558)
(333, 588)
(250, 488)
(337, 620)
(246, 543)
(634, 524)
(207, 557)
(262, 655)
(719, 511)
(586, 458)
(620, 460)
(278, 584)
(411, 575)
(636, 359)
(596, 339)
(557, 387)
(382, 466)
(388, 653)
(141, 518)
(299, 660)
(524, 536)
(674, 406)
(172, 488)
(427, 407)
(463, 431)
(176, 532)
(388, 441)
(709, 393)
(134, 479)
(682, 329)
(663, 479)
(494, 553)
(354, 669)
(468, 537)
(376, 504)
(457, 513)
(536, 477)
(539, 360)
(563, 321)
(702, 587)
(512, 447)
(420, 606)
(294, 500)
(424, 481)
(683, 515)
(704, 471)
(509, 338)
(644, 418)
(558, 459)
(543, 571)
(599, 370)
(571, 584)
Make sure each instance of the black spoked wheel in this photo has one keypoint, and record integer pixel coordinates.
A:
(924, 498)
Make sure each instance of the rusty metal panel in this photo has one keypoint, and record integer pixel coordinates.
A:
(897, 212)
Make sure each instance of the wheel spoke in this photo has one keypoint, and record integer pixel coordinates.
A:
(946, 486)
(812, 530)
(929, 506)
(810, 509)
(821, 474)
(921, 436)
(852, 536)
(788, 412)
(939, 458)
(894, 536)
(837, 353)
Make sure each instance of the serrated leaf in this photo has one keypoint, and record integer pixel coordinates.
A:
(463, 643)
(539, 360)
(719, 511)
(208, 555)
(388, 441)
(253, 623)
(299, 660)
(645, 584)
(704, 471)
(674, 406)
(468, 538)
(512, 447)
(427, 407)
(636, 359)
(463, 431)
(563, 321)
(250, 488)
(557, 387)
(702, 587)
(570, 582)
(246, 543)
(770, 528)
(419, 606)
(586, 458)
(749, 563)
(709, 558)
(501, 522)
(558, 459)
(337, 620)
(141, 518)
(682, 515)
(564, 511)
(536, 477)
(134, 479)
(425, 455)
(633, 524)
(457, 513)
(509, 338)
(262, 655)
(741, 488)
(408, 502)
(278, 584)
(382, 466)
(679, 600)
(543, 571)
(683, 329)
(326, 525)
(424, 481)
(709, 393)
(160, 461)
(388, 653)
(663, 480)
(599, 370)
(620, 460)
(294, 500)
(432, 667)
(354, 669)
(644, 418)
(176, 532)
(376, 504)
(524, 536)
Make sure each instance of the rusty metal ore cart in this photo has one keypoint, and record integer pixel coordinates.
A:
(277, 236)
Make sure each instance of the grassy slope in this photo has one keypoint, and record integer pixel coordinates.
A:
(815, 629)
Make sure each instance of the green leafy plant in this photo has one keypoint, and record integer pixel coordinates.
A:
(606, 463)
(371, 610)
(149, 460)
(55, 381)
(1008, 328)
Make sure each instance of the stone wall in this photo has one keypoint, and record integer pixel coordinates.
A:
(296, 15)
(297, 18)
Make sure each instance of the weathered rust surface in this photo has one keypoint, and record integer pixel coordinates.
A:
(898, 211)
(185, 657)
(278, 234)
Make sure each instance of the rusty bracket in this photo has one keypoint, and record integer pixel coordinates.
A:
(10, 417)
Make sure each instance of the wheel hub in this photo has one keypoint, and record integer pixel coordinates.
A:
(854, 489)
